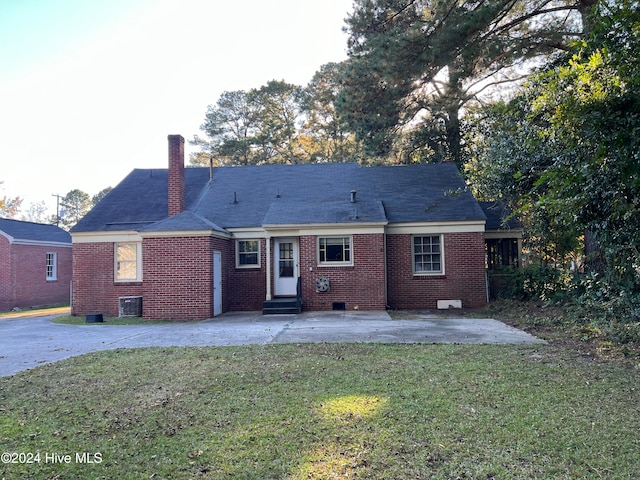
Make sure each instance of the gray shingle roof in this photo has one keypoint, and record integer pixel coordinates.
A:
(290, 194)
(324, 212)
(183, 221)
(499, 217)
(34, 232)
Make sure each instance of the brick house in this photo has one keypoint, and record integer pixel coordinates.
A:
(35, 264)
(192, 243)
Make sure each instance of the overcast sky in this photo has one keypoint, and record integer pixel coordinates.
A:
(90, 89)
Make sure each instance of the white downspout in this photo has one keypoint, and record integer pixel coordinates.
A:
(386, 278)
(268, 260)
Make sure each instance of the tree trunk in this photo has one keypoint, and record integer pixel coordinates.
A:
(593, 253)
(452, 95)
(453, 135)
(586, 10)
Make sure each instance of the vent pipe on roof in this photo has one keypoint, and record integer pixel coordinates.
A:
(353, 196)
(175, 192)
(210, 168)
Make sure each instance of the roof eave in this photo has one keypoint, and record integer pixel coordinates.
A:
(39, 243)
(184, 233)
(504, 233)
(459, 226)
(291, 226)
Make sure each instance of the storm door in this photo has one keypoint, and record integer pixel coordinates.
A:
(285, 266)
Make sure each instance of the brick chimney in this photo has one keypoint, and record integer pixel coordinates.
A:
(176, 174)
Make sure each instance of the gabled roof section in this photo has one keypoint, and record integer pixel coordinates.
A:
(183, 222)
(29, 232)
(249, 197)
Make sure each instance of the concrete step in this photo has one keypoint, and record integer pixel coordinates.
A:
(281, 306)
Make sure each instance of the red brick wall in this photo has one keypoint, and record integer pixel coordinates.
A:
(6, 291)
(23, 276)
(464, 277)
(247, 286)
(94, 289)
(360, 286)
(177, 278)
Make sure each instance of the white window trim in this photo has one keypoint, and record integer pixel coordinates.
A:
(54, 268)
(138, 264)
(335, 264)
(438, 273)
(252, 265)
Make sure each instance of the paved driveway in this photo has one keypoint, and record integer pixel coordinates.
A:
(28, 342)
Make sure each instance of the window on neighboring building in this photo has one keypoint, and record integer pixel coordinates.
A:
(52, 266)
(427, 255)
(127, 262)
(334, 250)
(248, 253)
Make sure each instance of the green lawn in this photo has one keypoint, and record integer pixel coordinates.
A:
(324, 411)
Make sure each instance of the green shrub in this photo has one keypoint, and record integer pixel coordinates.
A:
(602, 306)
(533, 282)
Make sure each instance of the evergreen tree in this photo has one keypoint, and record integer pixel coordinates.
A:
(324, 132)
(75, 205)
(415, 64)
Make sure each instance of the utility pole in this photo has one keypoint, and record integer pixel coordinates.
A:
(58, 197)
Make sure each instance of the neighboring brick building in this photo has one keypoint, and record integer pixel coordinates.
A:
(35, 265)
(191, 243)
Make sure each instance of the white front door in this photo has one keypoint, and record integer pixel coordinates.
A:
(217, 284)
(285, 257)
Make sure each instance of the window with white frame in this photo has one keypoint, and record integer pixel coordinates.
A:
(427, 255)
(334, 251)
(247, 253)
(52, 266)
(128, 262)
